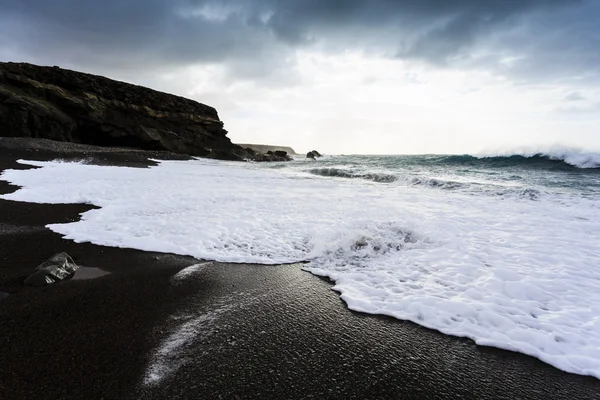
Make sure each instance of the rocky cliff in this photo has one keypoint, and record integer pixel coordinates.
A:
(63, 105)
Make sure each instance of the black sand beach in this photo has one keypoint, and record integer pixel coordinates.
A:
(256, 331)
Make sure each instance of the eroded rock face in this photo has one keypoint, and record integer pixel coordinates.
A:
(58, 104)
(58, 268)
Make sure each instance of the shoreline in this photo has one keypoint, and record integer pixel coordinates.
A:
(257, 331)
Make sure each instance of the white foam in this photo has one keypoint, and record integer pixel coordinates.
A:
(575, 157)
(188, 272)
(192, 328)
(168, 357)
(505, 271)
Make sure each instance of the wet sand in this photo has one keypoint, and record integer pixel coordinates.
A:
(249, 331)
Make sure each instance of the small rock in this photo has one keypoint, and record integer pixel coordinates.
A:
(58, 268)
(3, 295)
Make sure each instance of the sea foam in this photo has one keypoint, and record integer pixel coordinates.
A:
(574, 157)
(505, 271)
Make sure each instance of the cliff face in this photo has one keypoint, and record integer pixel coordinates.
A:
(63, 105)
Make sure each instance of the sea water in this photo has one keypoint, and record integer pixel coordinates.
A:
(502, 249)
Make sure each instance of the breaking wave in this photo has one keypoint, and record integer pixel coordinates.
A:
(342, 173)
(437, 183)
(557, 159)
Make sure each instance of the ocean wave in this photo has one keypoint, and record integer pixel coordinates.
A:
(343, 173)
(568, 157)
(528, 193)
(553, 160)
(436, 183)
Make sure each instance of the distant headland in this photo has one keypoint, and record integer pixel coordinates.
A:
(264, 148)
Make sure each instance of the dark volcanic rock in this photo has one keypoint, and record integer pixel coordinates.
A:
(58, 104)
(58, 268)
(265, 148)
(260, 157)
(280, 153)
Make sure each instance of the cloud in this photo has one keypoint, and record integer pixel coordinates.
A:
(257, 39)
(574, 96)
(552, 45)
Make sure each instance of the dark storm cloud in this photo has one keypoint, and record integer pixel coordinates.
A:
(254, 37)
(450, 21)
(154, 30)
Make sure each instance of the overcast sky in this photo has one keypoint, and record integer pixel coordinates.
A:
(343, 76)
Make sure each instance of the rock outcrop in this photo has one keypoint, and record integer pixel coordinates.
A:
(264, 148)
(58, 104)
(313, 154)
(266, 153)
(277, 155)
